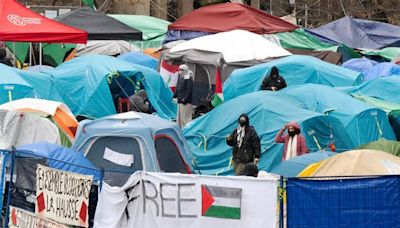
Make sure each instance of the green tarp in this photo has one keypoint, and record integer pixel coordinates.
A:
(389, 53)
(390, 146)
(20, 49)
(153, 29)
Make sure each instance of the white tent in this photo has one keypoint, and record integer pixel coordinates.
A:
(235, 46)
(18, 128)
(105, 47)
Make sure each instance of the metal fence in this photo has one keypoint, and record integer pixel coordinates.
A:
(372, 201)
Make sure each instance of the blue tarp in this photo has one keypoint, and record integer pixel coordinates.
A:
(381, 70)
(59, 157)
(296, 69)
(12, 85)
(294, 166)
(369, 202)
(359, 64)
(174, 35)
(85, 85)
(359, 33)
(139, 58)
(268, 112)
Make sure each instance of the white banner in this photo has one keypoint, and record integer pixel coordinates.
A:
(63, 196)
(26, 219)
(150, 200)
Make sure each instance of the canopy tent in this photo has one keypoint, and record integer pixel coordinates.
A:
(295, 69)
(359, 64)
(59, 113)
(89, 84)
(59, 157)
(98, 25)
(294, 166)
(381, 70)
(362, 122)
(105, 47)
(357, 163)
(389, 146)
(213, 56)
(359, 33)
(12, 85)
(229, 16)
(140, 58)
(133, 141)
(153, 29)
(267, 112)
(300, 39)
(20, 24)
(20, 128)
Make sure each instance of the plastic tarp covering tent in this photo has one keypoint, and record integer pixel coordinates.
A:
(12, 85)
(19, 128)
(84, 84)
(230, 16)
(362, 122)
(105, 47)
(295, 69)
(368, 202)
(235, 46)
(359, 33)
(59, 157)
(390, 146)
(359, 65)
(98, 25)
(136, 134)
(292, 167)
(268, 112)
(153, 29)
(140, 58)
(389, 53)
(381, 70)
(327, 56)
(20, 24)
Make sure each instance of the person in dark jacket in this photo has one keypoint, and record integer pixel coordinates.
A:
(245, 145)
(139, 102)
(3, 57)
(273, 81)
(183, 95)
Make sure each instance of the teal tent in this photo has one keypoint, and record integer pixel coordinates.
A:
(362, 122)
(12, 85)
(296, 69)
(89, 84)
(268, 112)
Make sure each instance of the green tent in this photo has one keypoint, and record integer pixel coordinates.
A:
(54, 54)
(153, 29)
(388, 53)
(390, 146)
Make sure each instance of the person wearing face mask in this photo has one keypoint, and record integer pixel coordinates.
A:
(183, 95)
(273, 81)
(295, 143)
(245, 145)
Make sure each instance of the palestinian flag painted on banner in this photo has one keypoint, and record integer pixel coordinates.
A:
(221, 202)
(218, 96)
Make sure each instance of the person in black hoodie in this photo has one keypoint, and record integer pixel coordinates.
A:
(183, 95)
(245, 145)
(273, 81)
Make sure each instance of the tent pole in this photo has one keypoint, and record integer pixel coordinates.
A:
(30, 54)
(40, 54)
(141, 46)
(130, 46)
(15, 55)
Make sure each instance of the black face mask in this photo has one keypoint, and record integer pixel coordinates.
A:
(291, 133)
(242, 123)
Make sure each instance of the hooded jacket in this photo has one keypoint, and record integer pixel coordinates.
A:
(269, 81)
(250, 148)
(301, 141)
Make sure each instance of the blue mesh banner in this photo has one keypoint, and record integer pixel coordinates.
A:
(367, 202)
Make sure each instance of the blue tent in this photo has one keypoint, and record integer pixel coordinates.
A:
(359, 64)
(268, 112)
(296, 69)
(89, 84)
(362, 122)
(133, 141)
(294, 166)
(12, 85)
(385, 88)
(381, 70)
(59, 157)
(359, 33)
(140, 59)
